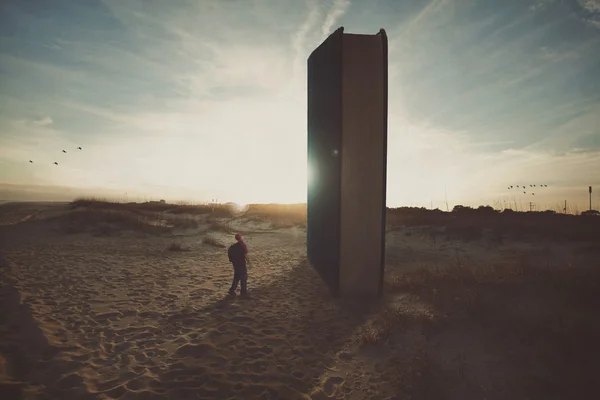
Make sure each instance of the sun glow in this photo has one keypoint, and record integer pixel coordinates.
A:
(238, 209)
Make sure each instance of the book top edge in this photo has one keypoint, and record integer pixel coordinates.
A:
(339, 32)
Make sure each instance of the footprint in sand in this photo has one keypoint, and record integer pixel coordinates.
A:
(138, 369)
(245, 330)
(108, 316)
(81, 358)
(320, 395)
(332, 384)
(265, 350)
(120, 347)
(242, 319)
(257, 367)
(194, 351)
(142, 382)
(116, 393)
(70, 381)
(222, 338)
(125, 360)
(299, 375)
(274, 342)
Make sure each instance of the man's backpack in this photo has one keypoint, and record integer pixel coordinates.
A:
(237, 253)
(231, 252)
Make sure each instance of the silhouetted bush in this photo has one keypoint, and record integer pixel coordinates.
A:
(590, 213)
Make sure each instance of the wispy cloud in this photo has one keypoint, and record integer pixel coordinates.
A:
(43, 121)
(591, 5)
(300, 37)
(338, 9)
(553, 55)
(587, 11)
(539, 5)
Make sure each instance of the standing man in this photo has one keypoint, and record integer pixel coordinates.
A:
(238, 256)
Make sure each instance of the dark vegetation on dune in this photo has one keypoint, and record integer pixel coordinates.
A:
(217, 210)
(104, 217)
(103, 222)
(526, 331)
(149, 206)
(468, 223)
(462, 223)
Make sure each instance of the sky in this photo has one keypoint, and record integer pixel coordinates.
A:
(205, 99)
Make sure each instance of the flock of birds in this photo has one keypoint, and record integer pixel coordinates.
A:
(64, 151)
(525, 187)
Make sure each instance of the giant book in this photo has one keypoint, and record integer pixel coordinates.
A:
(347, 160)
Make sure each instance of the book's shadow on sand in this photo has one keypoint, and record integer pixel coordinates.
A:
(275, 343)
(278, 342)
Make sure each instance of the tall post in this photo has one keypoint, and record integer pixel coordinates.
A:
(590, 190)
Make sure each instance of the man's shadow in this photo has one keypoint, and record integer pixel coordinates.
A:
(276, 343)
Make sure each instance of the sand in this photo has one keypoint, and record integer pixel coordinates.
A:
(121, 317)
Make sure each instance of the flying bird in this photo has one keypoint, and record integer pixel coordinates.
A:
(55, 163)
(525, 192)
(79, 147)
(533, 194)
(31, 161)
(64, 151)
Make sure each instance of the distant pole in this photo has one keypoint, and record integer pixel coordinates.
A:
(530, 206)
(446, 197)
(590, 190)
(565, 210)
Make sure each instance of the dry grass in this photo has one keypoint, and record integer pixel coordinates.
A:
(177, 245)
(174, 246)
(187, 222)
(279, 215)
(106, 222)
(150, 206)
(216, 225)
(105, 217)
(211, 241)
(368, 334)
(390, 319)
(287, 222)
(538, 316)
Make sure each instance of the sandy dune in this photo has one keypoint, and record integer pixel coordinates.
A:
(121, 317)
(124, 318)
